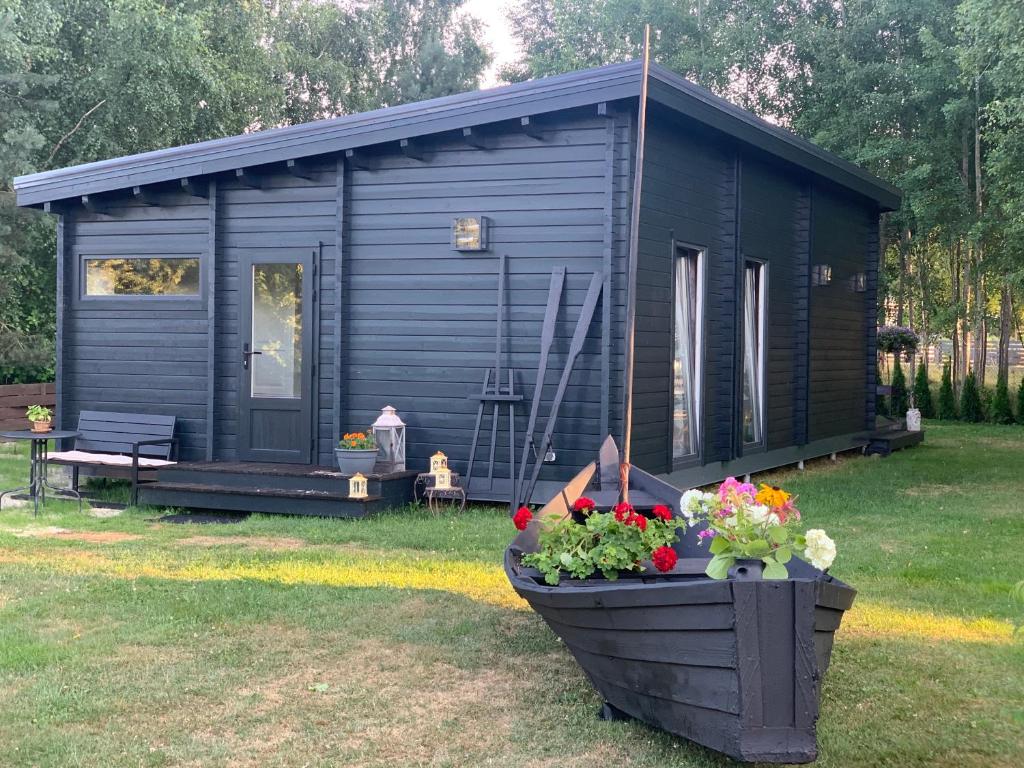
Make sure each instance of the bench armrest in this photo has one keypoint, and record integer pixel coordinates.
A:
(171, 441)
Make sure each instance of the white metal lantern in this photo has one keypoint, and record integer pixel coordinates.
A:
(357, 486)
(438, 462)
(389, 432)
(443, 479)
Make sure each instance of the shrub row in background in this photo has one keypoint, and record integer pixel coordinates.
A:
(975, 403)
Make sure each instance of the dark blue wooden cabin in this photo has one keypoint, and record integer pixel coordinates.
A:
(755, 280)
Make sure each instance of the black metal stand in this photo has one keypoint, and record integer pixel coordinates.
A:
(38, 484)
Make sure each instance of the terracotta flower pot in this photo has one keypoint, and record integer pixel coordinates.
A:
(42, 426)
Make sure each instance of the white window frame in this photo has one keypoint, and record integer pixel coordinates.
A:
(681, 252)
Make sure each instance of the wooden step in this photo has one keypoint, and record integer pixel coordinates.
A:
(884, 443)
(234, 498)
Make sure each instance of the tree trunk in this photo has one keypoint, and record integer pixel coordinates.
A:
(980, 332)
(1005, 331)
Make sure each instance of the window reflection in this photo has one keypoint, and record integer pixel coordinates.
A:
(686, 364)
(277, 330)
(753, 352)
(134, 276)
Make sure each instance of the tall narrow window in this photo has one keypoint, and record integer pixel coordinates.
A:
(686, 363)
(754, 278)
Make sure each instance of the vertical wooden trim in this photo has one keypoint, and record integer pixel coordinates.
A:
(62, 238)
(634, 251)
(748, 651)
(607, 256)
(211, 320)
(871, 319)
(339, 261)
(802, 315)
(317, 372)
(629, 171)
(806, 675)
(734, 447)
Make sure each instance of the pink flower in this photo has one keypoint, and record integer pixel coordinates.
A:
(707, 533)
(728, 485)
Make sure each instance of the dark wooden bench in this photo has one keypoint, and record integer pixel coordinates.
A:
(127, 446)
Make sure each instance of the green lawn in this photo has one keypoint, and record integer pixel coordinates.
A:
(397, 642)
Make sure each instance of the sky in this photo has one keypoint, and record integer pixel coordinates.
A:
(497, 33)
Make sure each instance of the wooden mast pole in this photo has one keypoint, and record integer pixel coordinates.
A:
(634, 251)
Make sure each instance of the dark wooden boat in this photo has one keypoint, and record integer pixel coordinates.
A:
(734, 665)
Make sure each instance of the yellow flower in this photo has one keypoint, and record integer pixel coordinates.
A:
(772, 496)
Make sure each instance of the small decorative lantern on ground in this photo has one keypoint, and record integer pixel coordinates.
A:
(357, 486)
(438, 462)
(443, 479)
(389, 432)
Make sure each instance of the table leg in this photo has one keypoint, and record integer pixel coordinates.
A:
(44, 463)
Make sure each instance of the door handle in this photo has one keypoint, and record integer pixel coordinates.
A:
(247, 355)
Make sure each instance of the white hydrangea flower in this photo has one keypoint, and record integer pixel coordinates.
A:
(758, 513)
(773, 519)
(690, 503)
(821, 550)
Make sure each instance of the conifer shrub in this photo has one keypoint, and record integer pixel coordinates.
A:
(971, 408)
(898, 398)
(947, 399)
(1002, 411)
(923, 393)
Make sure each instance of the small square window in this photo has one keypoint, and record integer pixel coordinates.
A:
(859, 282)
(821, 274)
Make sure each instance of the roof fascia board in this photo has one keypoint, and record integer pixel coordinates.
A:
(380, 126)
(679, 94)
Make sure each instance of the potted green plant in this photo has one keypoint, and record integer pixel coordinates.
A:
(356, 452)
(41, 418)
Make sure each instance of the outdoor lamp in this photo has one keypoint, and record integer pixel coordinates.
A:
(357, 486)
(469, 233)
(389, 432)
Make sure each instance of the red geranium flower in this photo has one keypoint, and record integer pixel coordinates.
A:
(638, 520)
(662, 512)
(522, 518)
(623, 511)
(664, 559)
(583, 504)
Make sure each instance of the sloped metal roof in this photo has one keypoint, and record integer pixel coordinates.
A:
(466, 110)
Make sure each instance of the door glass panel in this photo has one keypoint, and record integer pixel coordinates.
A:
(277, 330)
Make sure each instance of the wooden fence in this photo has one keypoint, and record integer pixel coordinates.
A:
(16, 398)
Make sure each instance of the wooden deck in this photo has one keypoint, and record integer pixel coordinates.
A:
(290, 489)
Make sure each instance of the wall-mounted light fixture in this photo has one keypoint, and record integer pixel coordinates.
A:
(469, 233)
(821, 274)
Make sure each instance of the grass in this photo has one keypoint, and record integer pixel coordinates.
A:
(397, 641)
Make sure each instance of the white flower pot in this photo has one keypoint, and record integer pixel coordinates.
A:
(913, 420)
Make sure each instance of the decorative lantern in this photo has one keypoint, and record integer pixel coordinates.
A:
(357, 486)
(439, 462)
(389, 432)
(443, 479)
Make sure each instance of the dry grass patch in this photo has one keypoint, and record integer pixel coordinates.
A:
(87, 537)
(273, 544)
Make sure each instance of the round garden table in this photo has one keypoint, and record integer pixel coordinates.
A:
(39, 452)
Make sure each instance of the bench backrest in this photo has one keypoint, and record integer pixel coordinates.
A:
(108, 432)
